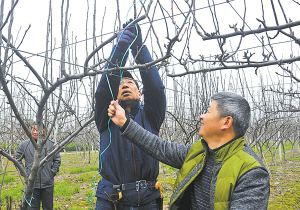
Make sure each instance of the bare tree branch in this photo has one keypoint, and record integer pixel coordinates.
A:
(256, 31)
(256, 65)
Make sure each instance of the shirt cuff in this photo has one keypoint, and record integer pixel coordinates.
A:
(123, 128)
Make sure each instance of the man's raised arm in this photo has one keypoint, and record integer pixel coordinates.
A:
(153, 88)
(109, 82)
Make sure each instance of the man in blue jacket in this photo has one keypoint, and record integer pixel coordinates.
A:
(128, 174)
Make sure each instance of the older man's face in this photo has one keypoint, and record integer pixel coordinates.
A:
(128, 90)
(211, 122)
(35, 132)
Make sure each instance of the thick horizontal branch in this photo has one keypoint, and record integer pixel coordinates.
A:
(249, 65)
(89, 73)
(289, 110)
(96, 72)
(257, 31)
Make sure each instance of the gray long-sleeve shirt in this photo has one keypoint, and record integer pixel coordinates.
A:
(251, 190)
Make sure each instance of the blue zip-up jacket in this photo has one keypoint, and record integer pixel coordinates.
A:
(120, 160)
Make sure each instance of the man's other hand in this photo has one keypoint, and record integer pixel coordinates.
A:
(130, 36)
(138, 40)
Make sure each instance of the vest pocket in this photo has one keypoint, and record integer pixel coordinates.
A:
(224, 186)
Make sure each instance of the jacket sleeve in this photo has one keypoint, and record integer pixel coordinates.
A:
(251, 191)
(108, 86)
(153, 89)
(56, 163)
(20, 153)
(167, 152)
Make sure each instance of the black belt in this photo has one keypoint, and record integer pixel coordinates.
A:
(141, 184)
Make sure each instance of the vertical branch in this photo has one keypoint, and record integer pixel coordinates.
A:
(55, 114)
(86, 25)
(13, 5)
(196, 23)
(1, 23)
(102, 27)
(134, 9)
(48, 40)
(46, 74)
(9, 36)
(118, 14)
(212, 9)
(274, 12)
(93, 79)
(64, 27)
(152, 28)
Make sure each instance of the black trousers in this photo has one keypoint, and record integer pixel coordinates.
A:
(44, 196)
(102, 204)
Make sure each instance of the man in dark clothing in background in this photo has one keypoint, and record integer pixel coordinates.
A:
(44, 183)
(217, 172)
(128, 174)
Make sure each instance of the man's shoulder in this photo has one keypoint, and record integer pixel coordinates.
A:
(23, 145)
(251, 154)
(247, 160)
(24, 142)
(244, 161)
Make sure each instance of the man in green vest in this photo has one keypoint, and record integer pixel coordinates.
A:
(220, 171)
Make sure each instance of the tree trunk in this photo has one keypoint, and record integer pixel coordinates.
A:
(27, 196)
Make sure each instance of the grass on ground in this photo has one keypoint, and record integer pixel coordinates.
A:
(76, 182)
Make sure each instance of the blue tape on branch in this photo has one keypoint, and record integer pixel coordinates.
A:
(28, 202)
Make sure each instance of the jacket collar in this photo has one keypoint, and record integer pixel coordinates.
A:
(225, 151)
(135, 107)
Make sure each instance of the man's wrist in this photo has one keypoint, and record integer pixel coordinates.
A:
(136, 50)
(125, 124)
(142, 55)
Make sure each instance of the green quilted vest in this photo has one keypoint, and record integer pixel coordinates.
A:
(235, 162)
